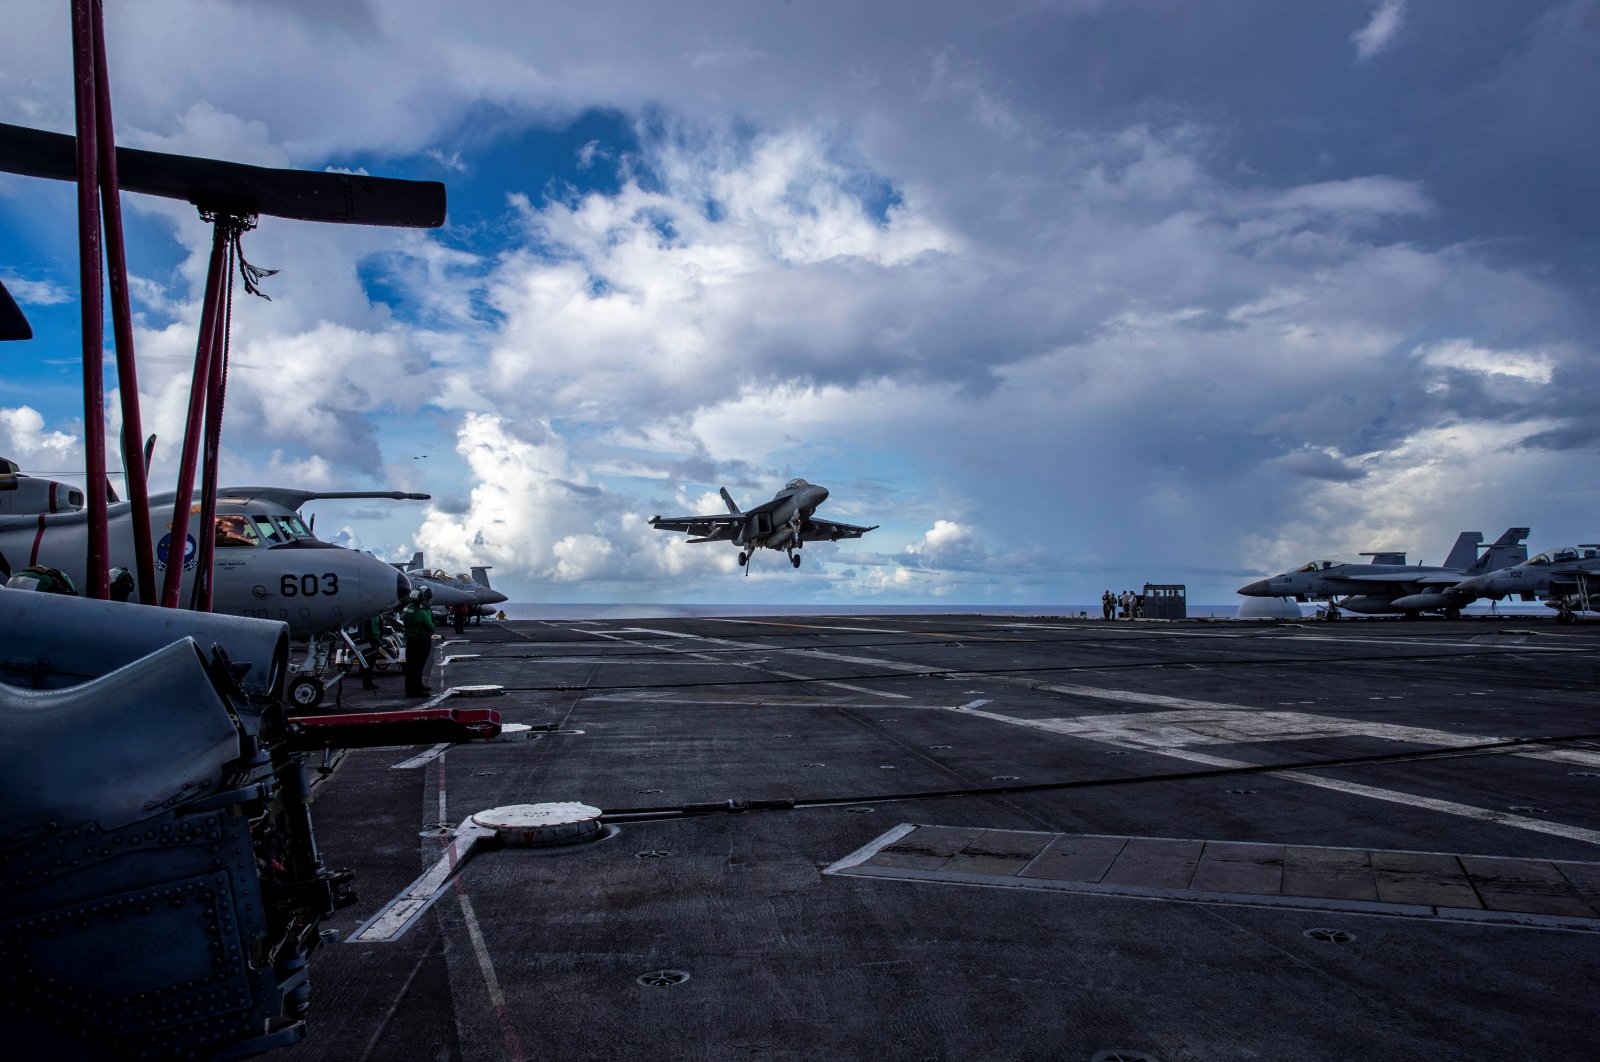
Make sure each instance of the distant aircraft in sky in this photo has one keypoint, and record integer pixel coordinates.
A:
(1387, 584)
(786, 522)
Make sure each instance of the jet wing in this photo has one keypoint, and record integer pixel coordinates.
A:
(715, 528)
(814, 530)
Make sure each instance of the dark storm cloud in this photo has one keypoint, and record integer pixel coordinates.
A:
(1319, 464)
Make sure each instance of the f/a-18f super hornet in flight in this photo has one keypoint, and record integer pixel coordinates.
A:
(1566, 579)
(786, 522)
(1387, 584)
(267, 563)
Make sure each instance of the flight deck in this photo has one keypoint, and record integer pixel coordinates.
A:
(970, 837)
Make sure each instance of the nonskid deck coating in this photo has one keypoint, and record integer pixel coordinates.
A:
(540, 955)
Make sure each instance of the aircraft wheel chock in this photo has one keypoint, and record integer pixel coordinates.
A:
(305, 692)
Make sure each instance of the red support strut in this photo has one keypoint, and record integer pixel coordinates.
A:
(205, 350)
(216, 387)
(97, 580)
(135, 474)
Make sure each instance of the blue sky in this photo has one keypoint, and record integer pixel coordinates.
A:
(1065, 294)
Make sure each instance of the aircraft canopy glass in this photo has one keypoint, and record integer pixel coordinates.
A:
(795, 484)
(1312, 566)
(233, 531)
(1564, 554)
(269, 533)
(276, 529)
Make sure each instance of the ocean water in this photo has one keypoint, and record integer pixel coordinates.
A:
(519, 610)
(591, 610)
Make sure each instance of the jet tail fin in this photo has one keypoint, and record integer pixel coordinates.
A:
(480, 575)
(728, 500)
(415, 563)
(1510, 548)
(1464, 554)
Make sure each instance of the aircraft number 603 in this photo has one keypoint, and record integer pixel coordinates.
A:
(309, 585)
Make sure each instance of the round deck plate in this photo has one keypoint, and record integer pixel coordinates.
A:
(539, 825)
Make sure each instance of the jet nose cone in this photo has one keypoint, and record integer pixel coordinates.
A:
(491, 597)
(1259, 588)
(818, 495)
(402, 586)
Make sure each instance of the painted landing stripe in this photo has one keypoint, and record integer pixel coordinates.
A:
(744, 664)
(1448, 807)
(422, 758)
(400, 913)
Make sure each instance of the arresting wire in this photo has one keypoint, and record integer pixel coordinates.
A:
(739, 805)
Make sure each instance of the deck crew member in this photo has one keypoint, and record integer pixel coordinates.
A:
(417, 618)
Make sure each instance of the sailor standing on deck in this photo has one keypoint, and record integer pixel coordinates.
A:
(369, 648)
(417, 619)
(1108, 604)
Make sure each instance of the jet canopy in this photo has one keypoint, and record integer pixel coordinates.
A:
(795, 484)
(1314, 566)
(1565, 554)
(234, 530)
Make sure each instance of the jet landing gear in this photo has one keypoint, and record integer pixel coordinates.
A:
(794, 559)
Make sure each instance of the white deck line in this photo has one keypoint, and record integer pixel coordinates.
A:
(422, 758)
(708, 658)
(391, 921)
(1448, 807)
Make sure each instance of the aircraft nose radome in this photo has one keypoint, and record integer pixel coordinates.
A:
(819, 494)
(491, 597)
(1259, 588)
(402, 586)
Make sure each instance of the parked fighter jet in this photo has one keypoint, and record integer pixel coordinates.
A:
(268, 564)
(786, 522)
(1387, 584)
(458, 589)
(1567, 579)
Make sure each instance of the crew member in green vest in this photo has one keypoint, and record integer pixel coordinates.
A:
(417, 619)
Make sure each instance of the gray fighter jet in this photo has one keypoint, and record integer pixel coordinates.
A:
(458, 589)
(1386, 584)
(786, 522)
(1567, 579)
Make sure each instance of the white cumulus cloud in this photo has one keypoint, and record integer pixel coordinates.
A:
(1379, 32)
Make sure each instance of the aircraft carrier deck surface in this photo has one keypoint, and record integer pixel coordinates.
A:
(1011, 839)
